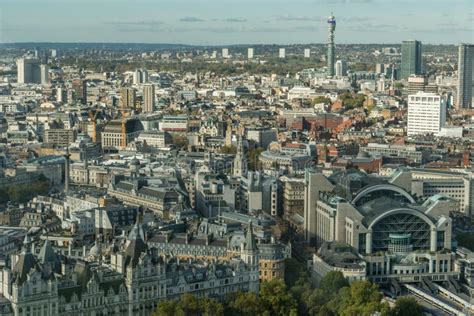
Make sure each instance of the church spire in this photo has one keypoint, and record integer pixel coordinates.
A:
(250, 244)
(240, 163)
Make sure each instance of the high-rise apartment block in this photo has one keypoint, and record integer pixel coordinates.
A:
(148, 98)
(127, 98)
(411, 59)
(28, 70)
(44, 74)
(79, 86)
(250, 53)
(225, 53)
(426, 113)
(465, 85)
(282, 53)
(307, 53)
(140, 76)
(380, 68)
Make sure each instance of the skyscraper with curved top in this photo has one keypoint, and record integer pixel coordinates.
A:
(331, 56)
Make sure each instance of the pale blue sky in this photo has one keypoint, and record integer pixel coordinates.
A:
(222, 22)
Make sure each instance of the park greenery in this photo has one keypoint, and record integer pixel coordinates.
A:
(24, 192)
(230, 150)
(180, 140)
(321, 99)
(296, 295)
(351, 101)
(252, 158)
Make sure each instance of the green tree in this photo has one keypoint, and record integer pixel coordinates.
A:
(360, 298)
(333, 281)
(165, 308)
(252, 158)
(321, 99)
(188, 304)
(25, 192)
(180, 141)
(210, 307)
(244, 304)
(398, 85)
(229, 150)
(276, 299)
(407, 306)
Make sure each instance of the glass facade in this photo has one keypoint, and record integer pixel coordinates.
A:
(411, 59)
(402, 224)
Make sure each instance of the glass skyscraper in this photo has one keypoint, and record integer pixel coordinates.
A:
(465, 85)
(411, 59)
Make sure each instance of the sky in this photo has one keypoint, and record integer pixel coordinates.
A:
(225, 22)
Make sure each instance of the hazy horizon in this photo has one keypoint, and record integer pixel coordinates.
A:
(226, 22)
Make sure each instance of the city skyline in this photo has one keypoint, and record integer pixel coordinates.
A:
(225, 23)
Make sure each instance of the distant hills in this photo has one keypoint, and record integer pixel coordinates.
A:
(106, 46)
(167, 46)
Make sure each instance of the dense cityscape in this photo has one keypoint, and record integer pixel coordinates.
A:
(305, 179)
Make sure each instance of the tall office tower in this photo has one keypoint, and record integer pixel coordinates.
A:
(54, 53)
(341, 68)
(381, 84)
(307, 53)
(79, 87)
(127, 98)
(331, 54)
(411, 59)
(250, 53)
(28, 71)
(145, 77)
(61, 95)
(44, 74)
(465, 75)
(148, 98)
(282, 53)
(23, 69)
(137, 76)
(225, 53)
(417, 84)
(379, 68)
(426, 113)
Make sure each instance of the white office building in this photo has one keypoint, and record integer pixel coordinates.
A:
(307, 53)
(426, 113)
(282, 53)
(341, 68)
(44, 74)
(250, 53)
(137, 76)
(225, 53)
